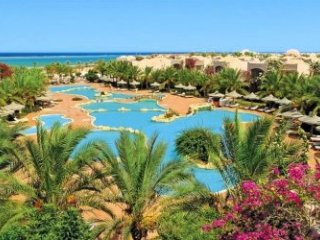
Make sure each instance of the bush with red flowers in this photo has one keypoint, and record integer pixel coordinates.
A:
(286, 207)
(5, 71)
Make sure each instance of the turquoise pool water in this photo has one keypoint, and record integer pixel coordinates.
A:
(138, 116)
(88, 92)
(48, 121)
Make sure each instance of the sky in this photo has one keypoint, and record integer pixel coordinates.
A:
(159, 25)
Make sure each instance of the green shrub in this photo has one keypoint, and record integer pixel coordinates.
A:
(197, 143)
(91, 76)
(49, 223)
(186, 225)
(170, 113)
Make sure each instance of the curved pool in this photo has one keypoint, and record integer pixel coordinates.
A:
(47, 121)
(138, 116)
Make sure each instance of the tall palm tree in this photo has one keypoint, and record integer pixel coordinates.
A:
(133, 73)
(311, 95)
(168, 77)
(139, 178)
(292, 85)
(315, 68)
(230, 79)
(146, 76)
(247, 152)
(272, 83)
(50, 169)
(9, 142)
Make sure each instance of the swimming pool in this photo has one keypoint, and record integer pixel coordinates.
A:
(48, 121)
(88, 92)
(138, 116)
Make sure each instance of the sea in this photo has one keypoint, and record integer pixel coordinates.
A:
(42, 59)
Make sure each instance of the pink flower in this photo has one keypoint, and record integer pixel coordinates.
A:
(297, 171)
(293, 197)
(315, 190)
(229, 216)
(218, 223)
(250, 188)
(317, 172)
(206, 228)
(280, 184)
(237, 208)
(275, 171)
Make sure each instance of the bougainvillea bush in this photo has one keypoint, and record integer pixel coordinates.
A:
(5, 71)
(286, 207)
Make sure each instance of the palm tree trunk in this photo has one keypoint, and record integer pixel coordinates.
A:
(137, 232)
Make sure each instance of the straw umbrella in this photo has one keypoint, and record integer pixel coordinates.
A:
(14, 107)
(5, 113)
(270, 98)
(180, 86)
(216, 94)
(292, 114)
(122, 82)
(134, 83)
(284, 101)
(234, 94)
(189, 88)
(313, 121)
(252, 96)
(155, 84)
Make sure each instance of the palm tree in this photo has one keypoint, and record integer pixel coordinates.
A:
(51, 170)
(247, 152)
(230, 80)
(146, 76)
(272, 83)
(310, 95)
(292, 85)
(168, 77)
(24, 85)
(9, 142)
(315, 68)
(132, 73)
(100, 67)
(139, 178)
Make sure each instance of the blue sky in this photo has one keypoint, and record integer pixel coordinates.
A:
(159, 25)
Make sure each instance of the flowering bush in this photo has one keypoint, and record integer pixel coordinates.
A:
(5, 71)
(286, 207)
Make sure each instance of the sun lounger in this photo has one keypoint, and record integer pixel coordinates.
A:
(254, 108)
(182, 94)
(292, 132)
(234, 105)
(271, 110)
(262, 109)
(246, 108)
(315, 144)
(315, 139)
(317, 147)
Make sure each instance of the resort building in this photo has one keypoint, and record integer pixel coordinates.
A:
(255, 64)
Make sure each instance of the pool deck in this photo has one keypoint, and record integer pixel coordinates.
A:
(69, 108)
(80, 118)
